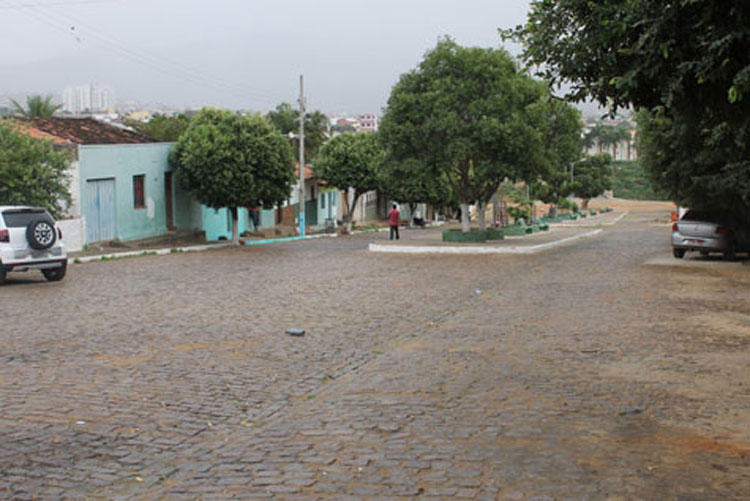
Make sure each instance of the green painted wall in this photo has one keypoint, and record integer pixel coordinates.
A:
(121, 162)
(188, 213)
(217, 223)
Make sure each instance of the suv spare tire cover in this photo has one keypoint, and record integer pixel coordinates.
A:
(41, 234)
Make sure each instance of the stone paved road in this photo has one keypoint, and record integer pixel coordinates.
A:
(585, 372)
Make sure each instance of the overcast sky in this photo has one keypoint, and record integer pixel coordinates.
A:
(236, 53)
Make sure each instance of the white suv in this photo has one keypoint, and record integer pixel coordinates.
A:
(29, 239)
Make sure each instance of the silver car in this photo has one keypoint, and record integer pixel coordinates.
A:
(710, 231)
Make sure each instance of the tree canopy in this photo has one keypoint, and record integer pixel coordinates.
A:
(161, 127)
(286, 120)
(32, 172)
(562, 128)
(351, 161)
(37, 106)
(467, 116)
(230, 160)
(406, 183)
(684, 65)
(592, 177)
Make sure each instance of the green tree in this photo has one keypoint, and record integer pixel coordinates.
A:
(351, 161)
(32, 172)
(562, 129)
(684, 63)
(406, 183)
(467, 116)
(161, 127)
(593, 176)
(36, 107)
(286, 120)
(230, 160)
(343, 128)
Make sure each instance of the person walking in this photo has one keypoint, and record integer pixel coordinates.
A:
(394, 218)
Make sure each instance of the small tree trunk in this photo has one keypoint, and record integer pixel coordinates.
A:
(553, 211)
(412, 207)
(494, 210)
(465, 217)
(350, 213)
(481, 218)
(235, 227)
(585, 203)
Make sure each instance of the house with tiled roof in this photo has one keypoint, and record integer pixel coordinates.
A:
(123, 188)
(121, 182)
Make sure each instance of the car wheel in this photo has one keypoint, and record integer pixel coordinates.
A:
(40, 234)
(704, 253)
(2, 277)
(678, 253)
(55, 274)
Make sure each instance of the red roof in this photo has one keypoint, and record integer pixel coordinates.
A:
(308, 171)
(79, 131)
(27, 130)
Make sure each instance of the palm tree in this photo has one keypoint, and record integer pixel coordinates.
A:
(595, 136)
(36, 107)
(617, 135)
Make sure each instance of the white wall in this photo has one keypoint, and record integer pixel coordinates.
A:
(75, 191)
(73, 231)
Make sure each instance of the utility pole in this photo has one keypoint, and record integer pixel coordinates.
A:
(301, 156)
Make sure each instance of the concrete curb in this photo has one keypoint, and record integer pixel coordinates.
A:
(479, 249)
(592, 224)
(289, 239)
(146, 252)
(192, 248)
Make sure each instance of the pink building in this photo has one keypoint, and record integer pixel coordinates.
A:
(368, 123)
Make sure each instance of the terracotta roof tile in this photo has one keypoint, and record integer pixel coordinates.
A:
(308, 171)
(84, 131)
(28, 130)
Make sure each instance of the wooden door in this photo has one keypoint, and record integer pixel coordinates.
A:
(168, 202)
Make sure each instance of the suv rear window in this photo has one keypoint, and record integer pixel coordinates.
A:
(20, 218)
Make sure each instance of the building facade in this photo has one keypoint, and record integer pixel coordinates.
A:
(88, 98)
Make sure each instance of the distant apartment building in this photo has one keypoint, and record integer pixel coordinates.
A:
(88, 98)
(368, 123)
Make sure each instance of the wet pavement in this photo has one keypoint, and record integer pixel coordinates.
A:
(590, 371)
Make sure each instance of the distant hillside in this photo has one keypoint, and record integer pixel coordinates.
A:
(631, 182)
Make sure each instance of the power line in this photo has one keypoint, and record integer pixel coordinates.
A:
(55, 4)
(155, 62)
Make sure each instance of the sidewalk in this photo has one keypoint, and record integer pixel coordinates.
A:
(158, 248)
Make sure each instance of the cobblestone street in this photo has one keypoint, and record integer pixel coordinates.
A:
(595, 370)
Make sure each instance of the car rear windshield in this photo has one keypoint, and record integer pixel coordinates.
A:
(707, 216)
(19, 218)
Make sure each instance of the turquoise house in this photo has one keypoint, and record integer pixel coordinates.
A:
(128, 192)
(121, 183)
(123, 187)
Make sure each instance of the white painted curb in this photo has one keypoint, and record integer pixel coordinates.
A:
(146, 252)
(580, 224)
(531, 249)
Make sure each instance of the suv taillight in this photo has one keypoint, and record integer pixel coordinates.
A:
(675, 227)
(721, 230)
(5, 236)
